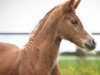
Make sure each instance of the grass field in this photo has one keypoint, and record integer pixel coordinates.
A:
(79, 67)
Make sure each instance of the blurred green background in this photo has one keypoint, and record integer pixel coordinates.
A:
(72, 64)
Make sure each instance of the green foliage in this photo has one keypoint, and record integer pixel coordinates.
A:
(80, 67)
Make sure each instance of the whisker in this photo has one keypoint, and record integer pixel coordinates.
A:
(87, 51)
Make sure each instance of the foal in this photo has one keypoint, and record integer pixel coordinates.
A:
(39, 56)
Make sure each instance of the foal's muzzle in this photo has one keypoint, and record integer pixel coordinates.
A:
(90, 45)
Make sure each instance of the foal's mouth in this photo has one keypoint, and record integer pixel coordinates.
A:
(88, 47)
(87, 51)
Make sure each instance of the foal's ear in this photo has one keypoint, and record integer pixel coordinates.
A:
(70, 4)
(64, 7)
(77, 3)
(74, 4)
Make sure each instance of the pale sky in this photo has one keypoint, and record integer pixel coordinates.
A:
(23, 15)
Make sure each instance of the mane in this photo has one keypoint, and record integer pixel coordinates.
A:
(40, 24)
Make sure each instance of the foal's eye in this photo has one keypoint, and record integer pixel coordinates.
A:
(74, 21)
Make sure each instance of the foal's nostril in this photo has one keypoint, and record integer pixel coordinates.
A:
(93, 42)
(88, 46)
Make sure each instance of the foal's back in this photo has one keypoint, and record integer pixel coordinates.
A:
(5, 48)
(8, 59)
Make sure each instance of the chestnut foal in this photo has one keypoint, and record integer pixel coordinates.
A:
(39, 56)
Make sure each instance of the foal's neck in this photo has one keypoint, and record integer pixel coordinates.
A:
(45, 44)
(47, 40)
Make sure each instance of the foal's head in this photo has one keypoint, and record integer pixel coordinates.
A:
(71, 28)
